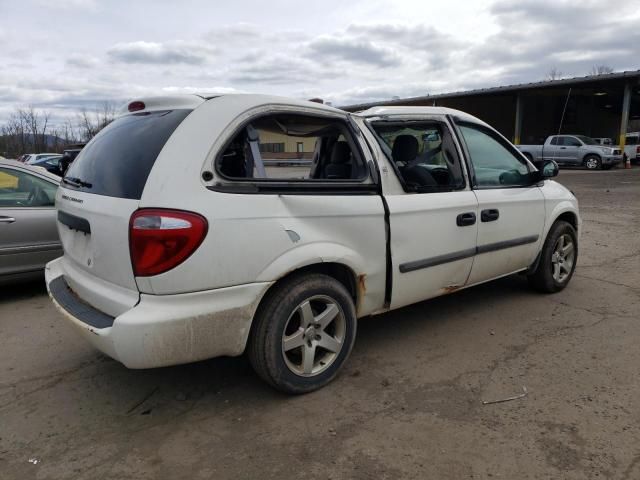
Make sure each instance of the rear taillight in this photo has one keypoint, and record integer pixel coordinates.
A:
(638, 150)
(160, 240)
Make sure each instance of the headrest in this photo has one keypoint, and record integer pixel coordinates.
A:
(341, 152)
(405, 148)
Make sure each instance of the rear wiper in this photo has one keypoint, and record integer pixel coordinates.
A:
(76, 182)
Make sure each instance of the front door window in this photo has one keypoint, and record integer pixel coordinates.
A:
(495, 163)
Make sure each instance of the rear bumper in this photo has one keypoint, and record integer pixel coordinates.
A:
(163, 330)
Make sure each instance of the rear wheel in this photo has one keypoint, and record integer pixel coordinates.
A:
(303, 333)
(557, 260)
(592, 162)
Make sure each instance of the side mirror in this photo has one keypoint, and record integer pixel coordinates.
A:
(546, 169)
(549, 169)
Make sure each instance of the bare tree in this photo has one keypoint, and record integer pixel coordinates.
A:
(30, 130)
(90, 123)
(554, 74)
(15, 135)
(35, 123)
(600, 70)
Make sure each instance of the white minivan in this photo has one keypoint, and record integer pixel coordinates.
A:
(195, 227)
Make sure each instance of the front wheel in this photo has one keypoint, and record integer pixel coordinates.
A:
(558, 259)
(303, 333)
(592, 162)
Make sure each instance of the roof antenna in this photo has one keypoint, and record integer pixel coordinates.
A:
(563, 111)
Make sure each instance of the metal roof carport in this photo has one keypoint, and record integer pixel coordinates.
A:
(595, 105)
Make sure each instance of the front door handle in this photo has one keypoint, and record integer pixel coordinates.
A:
(7, 219)
(465, 219)
(490, 215)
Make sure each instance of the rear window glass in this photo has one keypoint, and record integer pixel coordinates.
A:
(117, 162)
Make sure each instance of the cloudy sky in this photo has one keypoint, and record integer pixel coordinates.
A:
(65, 54)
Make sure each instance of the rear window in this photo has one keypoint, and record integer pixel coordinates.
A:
(117, 162)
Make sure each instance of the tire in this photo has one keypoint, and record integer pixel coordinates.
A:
(554, 271)
(592, 162)
(292, 346)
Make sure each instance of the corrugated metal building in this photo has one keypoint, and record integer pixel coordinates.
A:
(605, 105)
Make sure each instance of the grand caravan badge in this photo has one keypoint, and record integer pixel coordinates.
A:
(72, 199)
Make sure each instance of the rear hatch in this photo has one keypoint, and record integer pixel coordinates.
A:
(96, 199)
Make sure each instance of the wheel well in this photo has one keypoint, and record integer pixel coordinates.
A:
(528, 155)
(591, 155)
(570, 218)
(340, 272)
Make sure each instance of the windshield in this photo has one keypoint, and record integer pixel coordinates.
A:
(587, 140)
(118, 160)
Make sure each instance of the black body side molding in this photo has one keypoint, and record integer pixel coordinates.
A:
(462, 254)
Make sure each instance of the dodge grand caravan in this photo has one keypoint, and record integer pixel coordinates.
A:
(185, 237)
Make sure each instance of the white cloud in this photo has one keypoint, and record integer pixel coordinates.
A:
(345, 52)
(82, 61)
(73, 5)
(194, 53)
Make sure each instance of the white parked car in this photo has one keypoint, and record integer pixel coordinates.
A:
(32, 158)
(181, 245)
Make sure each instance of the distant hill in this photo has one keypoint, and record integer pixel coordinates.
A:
(51, 141)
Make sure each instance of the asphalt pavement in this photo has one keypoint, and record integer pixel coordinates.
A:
(408, 405)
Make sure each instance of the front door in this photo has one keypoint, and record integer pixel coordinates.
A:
(511, 210)
(28, 235)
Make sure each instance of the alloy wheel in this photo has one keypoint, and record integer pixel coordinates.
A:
(313, 336)
(592, 163)
(563, 258)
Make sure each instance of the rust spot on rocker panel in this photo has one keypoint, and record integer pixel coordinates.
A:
(450, 289)
(362, 286)
(361, 290)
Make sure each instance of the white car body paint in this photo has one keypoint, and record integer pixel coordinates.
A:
(204, 307)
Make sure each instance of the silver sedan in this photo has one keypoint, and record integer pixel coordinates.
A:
(28, 232)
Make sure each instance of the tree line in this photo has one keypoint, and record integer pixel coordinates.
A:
(30, 129)
(555, 74)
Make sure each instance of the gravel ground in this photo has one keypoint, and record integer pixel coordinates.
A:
(409, 404)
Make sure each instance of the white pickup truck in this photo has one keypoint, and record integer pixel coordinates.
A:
(632, 147)
(180, 244)
(575, 151)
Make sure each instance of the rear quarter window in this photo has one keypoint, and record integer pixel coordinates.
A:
(117, 162)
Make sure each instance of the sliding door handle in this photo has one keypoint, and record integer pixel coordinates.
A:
(7, 219)
(465, 219)
(490, 215)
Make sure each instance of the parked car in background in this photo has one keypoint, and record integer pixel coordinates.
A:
(603, 141)
(180, 245)
(50, 164)
(69, 155)
(34, 157)
(28, 233)
(573, 150)
(632, 146)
